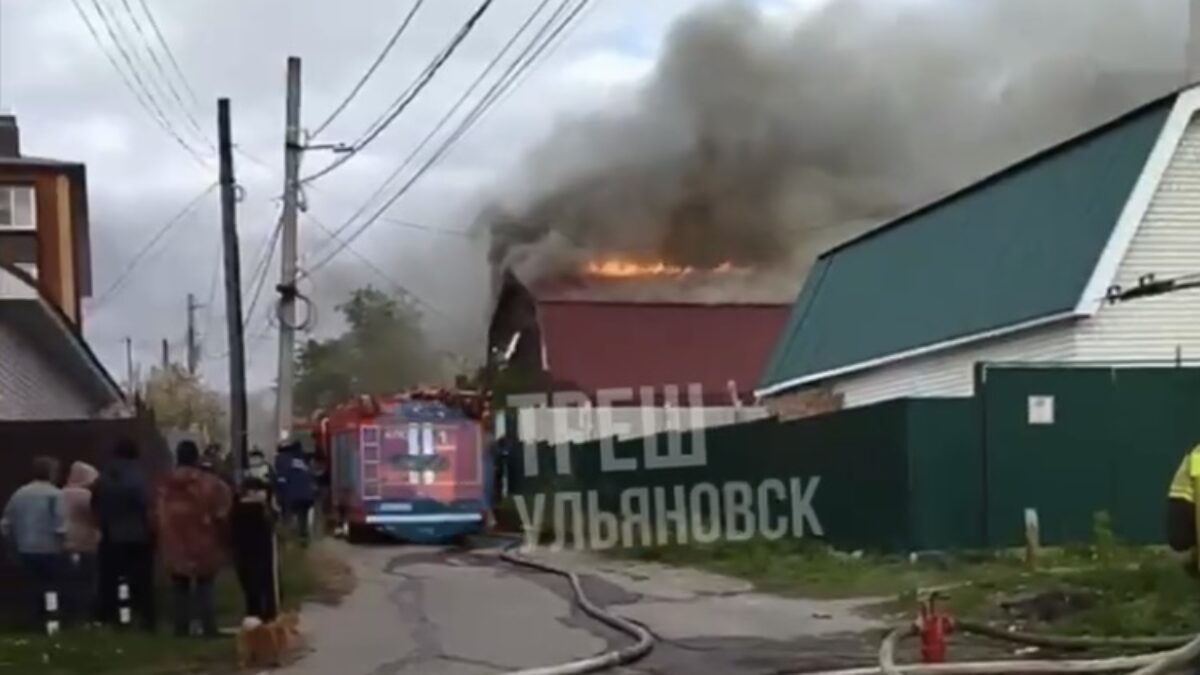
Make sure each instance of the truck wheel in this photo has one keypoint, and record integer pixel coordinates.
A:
(358, 534)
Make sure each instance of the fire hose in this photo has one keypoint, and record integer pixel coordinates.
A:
(608, 659)
(1154, 663)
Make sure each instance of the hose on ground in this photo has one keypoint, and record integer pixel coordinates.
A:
(609, 659)
(1154, 663)
(1072, 642)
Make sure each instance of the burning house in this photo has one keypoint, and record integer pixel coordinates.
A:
(656, 343)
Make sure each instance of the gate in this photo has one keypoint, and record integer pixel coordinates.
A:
(1072, 442)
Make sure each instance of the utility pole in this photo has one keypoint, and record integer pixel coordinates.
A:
(166, 353)
(129, 365)
(193, 355)
(233, 291)
(287, 278)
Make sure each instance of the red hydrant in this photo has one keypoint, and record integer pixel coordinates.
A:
(933, 627)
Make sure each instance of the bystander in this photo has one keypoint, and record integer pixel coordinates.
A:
(34, 526)
(192, 508)
(82, 542)
(122, 501)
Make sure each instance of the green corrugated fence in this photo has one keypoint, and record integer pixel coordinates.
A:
(911, 474)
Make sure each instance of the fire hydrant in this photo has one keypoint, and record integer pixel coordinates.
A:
(933, 627)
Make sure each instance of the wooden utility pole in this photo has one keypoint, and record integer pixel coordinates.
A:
(129, 365)
(193, 354)
(233, 291)
(166, 353)
(287, 278)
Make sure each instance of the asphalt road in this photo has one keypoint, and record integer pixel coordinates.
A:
(445, 611)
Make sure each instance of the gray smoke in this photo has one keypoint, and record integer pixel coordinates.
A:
(763, 142)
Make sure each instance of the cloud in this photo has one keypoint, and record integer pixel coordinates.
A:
(73, 106)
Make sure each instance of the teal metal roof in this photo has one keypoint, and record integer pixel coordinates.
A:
(1018, 246)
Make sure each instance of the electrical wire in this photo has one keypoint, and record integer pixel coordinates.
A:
(111, 26)
(162, 231)
(405, 292)
(406, 97)
(263, 270)
(166, 79)
(387, 48)
(446, 146)
(516, 71)
(147, 105)
(212, 294)
(543, 54)
(169, 52)
(564, 36)
(449, 114)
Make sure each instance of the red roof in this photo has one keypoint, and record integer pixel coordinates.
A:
(593, 345)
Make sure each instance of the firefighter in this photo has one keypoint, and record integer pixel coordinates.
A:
(1181, 507)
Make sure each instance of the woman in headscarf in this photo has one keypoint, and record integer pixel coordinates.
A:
(82, 540)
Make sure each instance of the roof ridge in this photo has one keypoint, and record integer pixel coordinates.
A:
(658, 303)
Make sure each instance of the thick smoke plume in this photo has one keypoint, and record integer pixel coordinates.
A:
(763, 141)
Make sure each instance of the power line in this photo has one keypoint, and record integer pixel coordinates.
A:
(557, 39)
(452, 111)
(146, 102)
(472, 118)
(170, 53)
(212, 295)
(406, 97)
(162, 231)
(263, 271)
(387, 48)
(166, 79)
(513, 77)
(383, 275)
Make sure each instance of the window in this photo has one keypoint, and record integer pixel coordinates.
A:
(16, 207)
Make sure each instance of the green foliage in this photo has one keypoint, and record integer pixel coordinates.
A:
(1103, 537)
(101, 650)
(181, 401)
(382, 350)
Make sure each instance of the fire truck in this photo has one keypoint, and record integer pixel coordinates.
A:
(412, 465)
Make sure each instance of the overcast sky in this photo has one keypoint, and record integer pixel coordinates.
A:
(71, 104)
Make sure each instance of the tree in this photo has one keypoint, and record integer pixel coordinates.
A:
(382, 351)
(181, 401)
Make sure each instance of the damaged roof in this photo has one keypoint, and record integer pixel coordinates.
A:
(593, 345)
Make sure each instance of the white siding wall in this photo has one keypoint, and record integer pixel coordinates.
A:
(31, 386)
(952, 373)
(1167, 245)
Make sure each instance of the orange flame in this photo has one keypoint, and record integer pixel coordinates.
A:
(619, 268)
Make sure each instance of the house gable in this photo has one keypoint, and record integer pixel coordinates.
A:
(1165, 242)
(1011, 253)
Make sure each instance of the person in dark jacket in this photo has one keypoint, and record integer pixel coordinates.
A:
(296, 488)
(122, 500)
(252, 534)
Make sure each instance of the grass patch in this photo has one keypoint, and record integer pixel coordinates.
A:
(305, 575)
(1110, 589)
(817, 571)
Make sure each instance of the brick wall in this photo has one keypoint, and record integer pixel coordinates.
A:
(32, 387)
(804, 403)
